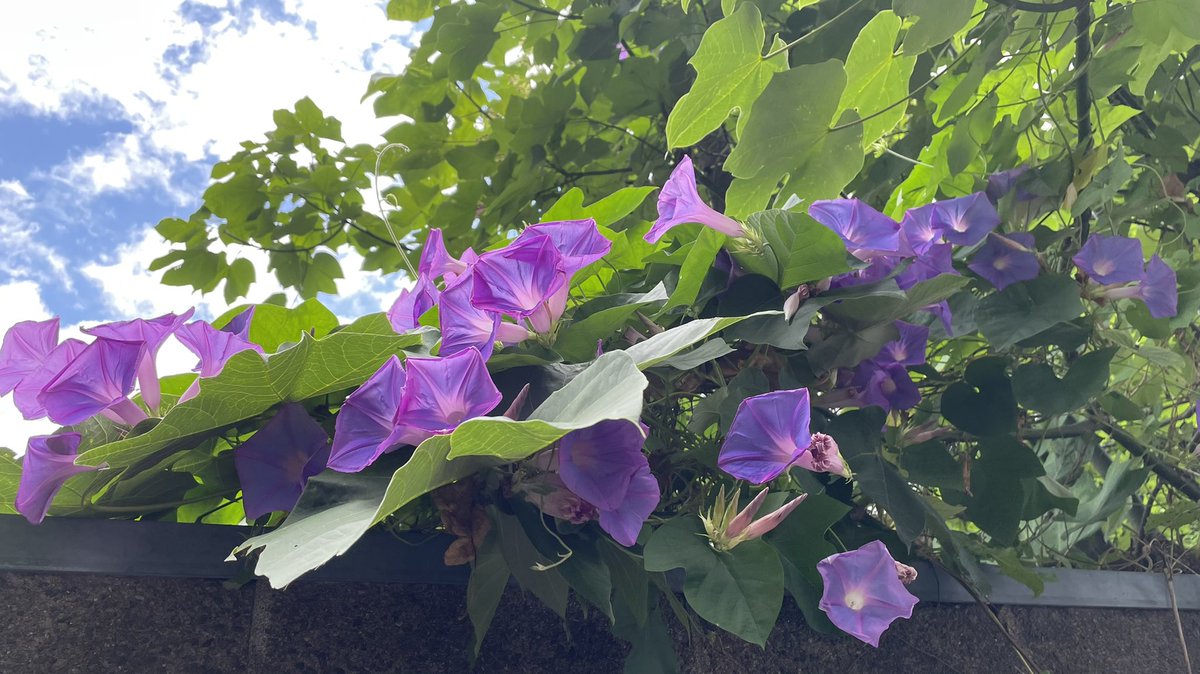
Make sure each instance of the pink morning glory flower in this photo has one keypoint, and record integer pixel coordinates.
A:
(769, 434)
(518, 279)
(863, 594)
(441, 393)
(99, 378)
(152, 333)
(679, 203)
(966, 220)
(25, 395)
(367, 418)
(276, 462)
(909, 349)
(213, 347)
(405, 313)
(464, 325)
(579, 242)
(48, 463)
(1005, 260)
(26, 345)
(437, 262)
(1111, 259)
(866, 232)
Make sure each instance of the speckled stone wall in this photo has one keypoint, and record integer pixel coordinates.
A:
(66, 623)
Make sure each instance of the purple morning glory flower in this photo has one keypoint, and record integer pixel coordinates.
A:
(867, 232)
(441, 393)
(405, 313)
(26, 345)
(936, 261)
(1159, 289)
(1111, 259)
(966, 220)
(100, 378)
(275, 463)
(641, 498)
(909, 349)
(579, 242)
(1003, 182)
(49, 462)
(25, 395)
(366, 419)
(463, 325)
(437, 262)
(769, 433)
(622, 52)
(863, 593)
(240, 323)
(887, 386)
(917, 232)
(213, 347)
(519, 279)
(942, 311)
(679, 203)
(1004, 261)
(877, 270)
(598, 462)
(152, 333)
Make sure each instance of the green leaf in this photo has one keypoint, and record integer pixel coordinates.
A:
(577, 341)
(997, 495)
(465, 42)
(697, 263)
(858, 437)
(10, 478)
(1037, 388)
(605, 211)
(804, 249)
(670, 342)
(519, 552)
(409, 10)
(788, 134)
(610, 388)
(690, 360)
(248, 387)
(740, 591)
(485, 587)
(274, 326)
(876, 77)
(730, 75)
(937, 21)
(801, 543)
(1027, 308)
(982, 404)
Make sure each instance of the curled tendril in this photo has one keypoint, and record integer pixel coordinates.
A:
(383, 213)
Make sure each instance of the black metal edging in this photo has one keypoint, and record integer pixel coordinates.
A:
(125, 548)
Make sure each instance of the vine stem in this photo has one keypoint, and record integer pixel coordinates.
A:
(383, 213)
(1083, 95)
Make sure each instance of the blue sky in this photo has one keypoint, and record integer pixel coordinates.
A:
(111, 115)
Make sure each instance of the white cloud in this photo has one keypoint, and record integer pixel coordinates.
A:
(24, 255)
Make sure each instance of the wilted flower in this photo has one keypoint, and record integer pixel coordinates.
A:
(906, 573)
(276, 462)
(48, 463)
(1111, 259)
(441, 393)
(824, 456)
(151, 333)
(966, 220)
(99, 378)
(863, 594)
(366, 419)
(867, 232)
(1005, 260)
(213, 347)
(769, 433)
(26, 345)
(726, 530)
(679, 203)
(547, 491)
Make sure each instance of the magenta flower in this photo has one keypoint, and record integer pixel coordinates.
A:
(917, 232)
(519, 279)
(152, 333)
(624, 522)
(49, 462)
(867, 232)
(441, 393)
(863, 594)
(99, 378)
(240, 323)
(1004, 261)
(463, 325)
(405, 313)
(769, 433)
(579, 242)
(276, 462)
(966, 220)
(25, 395)
(437, 262)
(1111, 259)
(909, 349)
(1159, 290)
(824, 456)
(886, 386)
(26, 345)
(622, 52)
(213, 347)
(679, 203)
(598, 462)
(366, 419)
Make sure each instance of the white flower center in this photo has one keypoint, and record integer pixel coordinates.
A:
(1104, 267)
(855, 600)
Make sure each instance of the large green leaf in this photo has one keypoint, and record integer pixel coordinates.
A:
(936, 21)
(604, 211)
(800, 540)
(876, 77)
(740, 591)
(1037, 388)
(10, 477)
(274, 325)
(485, 588)
(983, 403)
(667, 343)
(1024, 309)
(730, 75)
(249, 386)
(803, 249)
(577, 341)
(997, 494)
(858, 437)
(699, 255)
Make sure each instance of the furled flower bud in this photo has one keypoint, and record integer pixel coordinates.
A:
(726, 530)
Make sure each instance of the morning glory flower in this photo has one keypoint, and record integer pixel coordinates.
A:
(1159, 289)
(909, 349)
(405, 313)
(463, 325)
(769, 433)
(726, 531)
(966, 220)
(240, 323)
(863, 594)
(624, 522)
(276, 462)
(599, 462)
(622, 52)
(824, 456)
(937, 260)
(441, 393)
(917, 232)
(437, 262)
(25, 395)
(366, 419)
(1003, 182)
(152, 333)
(99, 378)
(26, 345)
(213, 347)
(579, 242)
(886, 385)
(48, 463)
(1005, 260)
(679, 203)
(867, 232)
(519, 279)
(1111, 259)
(876, 270)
